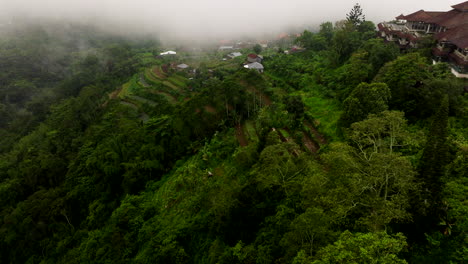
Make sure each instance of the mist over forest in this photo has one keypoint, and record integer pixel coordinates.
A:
(233, 132)
(203, 20)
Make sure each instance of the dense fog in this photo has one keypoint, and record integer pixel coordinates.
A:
(205, 19)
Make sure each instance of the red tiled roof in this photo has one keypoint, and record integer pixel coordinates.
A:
(400, 17)
(435, 13)
(457, 59)
(450, 19)
(438, 52)
(422, 16)
(459, 32)
(460, 42)
(462, 6)
(457, 35)
(253, 56)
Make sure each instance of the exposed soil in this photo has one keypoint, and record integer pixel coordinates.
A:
(284, 139)
(241, 136)
(210, 109)
(322, 140)
(310, 144)
(159, 73)
(115, 93)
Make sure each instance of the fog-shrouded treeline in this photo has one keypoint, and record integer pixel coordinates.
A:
(345, 150)
(45, 61)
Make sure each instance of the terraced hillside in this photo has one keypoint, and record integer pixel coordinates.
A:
(152, 88)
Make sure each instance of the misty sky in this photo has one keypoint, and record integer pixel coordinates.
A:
(215, 18)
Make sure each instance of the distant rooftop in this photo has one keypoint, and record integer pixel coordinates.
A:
(170, 52)
(235, 54)
(462, 6)
(254, 65)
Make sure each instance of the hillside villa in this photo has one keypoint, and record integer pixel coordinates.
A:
(449, 29)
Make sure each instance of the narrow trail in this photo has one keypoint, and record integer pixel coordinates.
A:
(322, 140)
(241, 136)
(159, 73)
(310, 144)
(295, 152)
(115, 93)
(210, 109)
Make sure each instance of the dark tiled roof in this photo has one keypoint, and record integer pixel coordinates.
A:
(438, 52)
(462, 6)
(435, 13)
(450, 19)
(458, 60)
(460, 42)
(460, 32)
(422, 16)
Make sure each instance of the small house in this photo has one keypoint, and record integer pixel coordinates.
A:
(254, 58)
(226, 47)
(182, 66)
(170, 52)
(234, 55)
(254, 66)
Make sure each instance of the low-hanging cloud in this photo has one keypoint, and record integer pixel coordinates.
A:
(199, 19)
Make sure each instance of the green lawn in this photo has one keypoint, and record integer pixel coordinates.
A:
(250, 131)
(172, 86)
(130, 88)
(178, 80)
(325, 111)
(151, 78)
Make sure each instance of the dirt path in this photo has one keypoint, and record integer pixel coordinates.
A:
(115, 93)
(241, 136)
(322, 140)
(210, 109)
(159, 73)
(295, 152)
(311, 145)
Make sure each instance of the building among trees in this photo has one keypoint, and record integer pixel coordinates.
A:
(450, 29)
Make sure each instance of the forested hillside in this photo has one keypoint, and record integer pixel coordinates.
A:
(346, 152)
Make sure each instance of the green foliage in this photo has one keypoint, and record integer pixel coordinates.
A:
(105, 158)
(434, 159)
(355, 16)
(365, 99)
(380, 53)
(257, 48)
(363, 248)
(378, 180)
(405, 76)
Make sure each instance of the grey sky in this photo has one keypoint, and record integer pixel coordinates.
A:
(191, 18)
